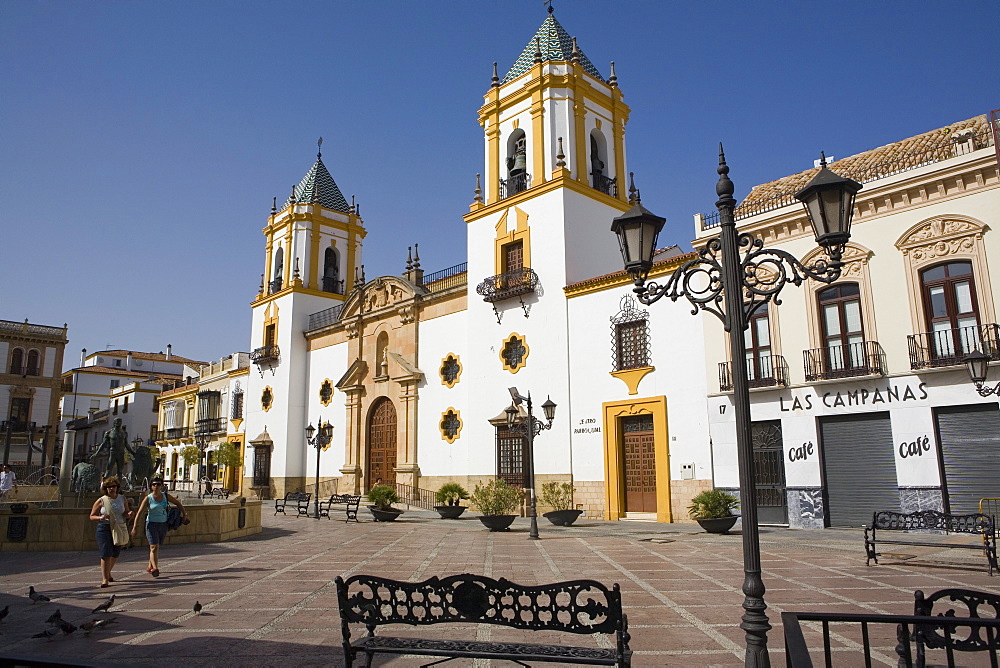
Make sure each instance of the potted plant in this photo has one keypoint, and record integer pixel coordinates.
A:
(497, 502)
(382, 497)
(713, 510)
(450, 497)
(559, 495)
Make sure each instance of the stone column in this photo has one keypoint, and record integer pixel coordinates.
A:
(66, 465)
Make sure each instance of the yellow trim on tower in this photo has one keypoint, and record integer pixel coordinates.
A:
(614, 458)
(521, 232)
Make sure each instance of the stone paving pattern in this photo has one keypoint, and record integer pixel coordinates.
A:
(270, 599)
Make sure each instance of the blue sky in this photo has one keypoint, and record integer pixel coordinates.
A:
(142, 142)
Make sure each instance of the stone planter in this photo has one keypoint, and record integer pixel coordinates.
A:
(563, 518)
(718, 524)
(385, 515)
(450, 512)
(497, 522)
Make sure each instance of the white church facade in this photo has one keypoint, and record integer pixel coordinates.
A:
(412, 371)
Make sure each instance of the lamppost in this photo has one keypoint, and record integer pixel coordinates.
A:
(977, 364)
(732, 288)
(201, 442)
(530, 428)
(318, 441)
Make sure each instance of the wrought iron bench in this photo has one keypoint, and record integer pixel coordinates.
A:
(576, 606)
(349, 502)
(299, 499)
(970, 604)
(983, 526)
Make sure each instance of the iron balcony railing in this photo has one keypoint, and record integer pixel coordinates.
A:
(274, 286)
(917, 640)
(606, 185)
(67, 384)
(414, 496)
(16, 426)
(447, 278)
(762, 371)
(265, 355)
(333, 285)
(24, 370)
(945, 148)
(173, 433)
(210, 425)
(844, 361)
(325, 318)
(508, 285)
(515, 184)
(948, 347)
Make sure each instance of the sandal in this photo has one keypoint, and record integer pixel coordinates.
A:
(149, 569)
(104, 585)
(155, 572)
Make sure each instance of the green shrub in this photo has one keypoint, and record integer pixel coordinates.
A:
(383, 496)
(558, 495)
(450, 494)
(497, 498)
(191, 455)
(713, 503)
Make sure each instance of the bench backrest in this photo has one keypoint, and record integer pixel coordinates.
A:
(956, 603)
(297, 496)
(576, 606)
(932, 519)
(345, 498)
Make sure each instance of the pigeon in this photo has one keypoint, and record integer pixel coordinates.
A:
(197, 608)
(95, 624)
(54, 618)
(65, 626)
(48, 633)
(103, 607)
(4, 612)
(35, 596)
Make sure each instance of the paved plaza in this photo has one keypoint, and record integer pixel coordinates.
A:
(270, 600)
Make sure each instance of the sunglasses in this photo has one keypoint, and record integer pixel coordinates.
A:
(111, 487)
(156, 483)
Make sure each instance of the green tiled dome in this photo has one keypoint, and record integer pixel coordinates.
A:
(317, 185)
(555, 44)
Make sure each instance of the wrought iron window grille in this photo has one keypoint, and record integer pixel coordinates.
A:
(451, 425)
(630, 338)
(514, 353)
(326, 392)
(450, 370)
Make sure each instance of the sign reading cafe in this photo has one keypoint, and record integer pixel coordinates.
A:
(855, 397)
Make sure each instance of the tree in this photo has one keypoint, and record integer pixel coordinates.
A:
(190, 454)
(228, 454)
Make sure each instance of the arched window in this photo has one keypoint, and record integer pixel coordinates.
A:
(950, 308)
(33, 358)
(843, 333)
(331, 272)
(598, 165)
(16, 360)
(761, 371)
(279, 266)
(517, 165)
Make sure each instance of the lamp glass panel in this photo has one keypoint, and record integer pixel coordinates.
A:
(976, 364)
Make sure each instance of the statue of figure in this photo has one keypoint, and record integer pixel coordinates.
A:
(143, 466)
(116, 441)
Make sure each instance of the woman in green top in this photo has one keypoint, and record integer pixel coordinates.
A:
(156, 504)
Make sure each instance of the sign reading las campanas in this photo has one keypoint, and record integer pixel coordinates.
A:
(860, 397)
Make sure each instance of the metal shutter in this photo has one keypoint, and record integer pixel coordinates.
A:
(969, 438)
(859, 468)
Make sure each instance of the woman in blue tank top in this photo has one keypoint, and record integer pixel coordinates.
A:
(156, 504)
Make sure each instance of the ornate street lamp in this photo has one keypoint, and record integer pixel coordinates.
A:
(977, 364)
(318, 441)
(732, 288)
(530, 428)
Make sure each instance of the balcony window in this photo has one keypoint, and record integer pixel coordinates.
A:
(757, 339)
(949, 293)
(17, 361)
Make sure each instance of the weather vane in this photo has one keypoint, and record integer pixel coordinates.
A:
(548, 3)
(319, 148)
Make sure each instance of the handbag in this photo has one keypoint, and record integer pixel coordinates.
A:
(119, 532)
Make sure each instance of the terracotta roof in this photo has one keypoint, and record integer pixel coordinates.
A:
(879, 162)
(117, 371)
(661, 258)
(158, 357)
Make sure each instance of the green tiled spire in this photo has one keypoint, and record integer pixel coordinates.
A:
(317, 185)
(555, 44)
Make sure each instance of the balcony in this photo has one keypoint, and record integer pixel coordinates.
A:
(763, 371)
(67, 385)
(16, 426)
(948, 347)
(508, 285)
(265, 355)
(174, 433)
(515, 184)
(333, 285)
(24, 370)
(210, 426)
(845, 361)
(606, 185)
